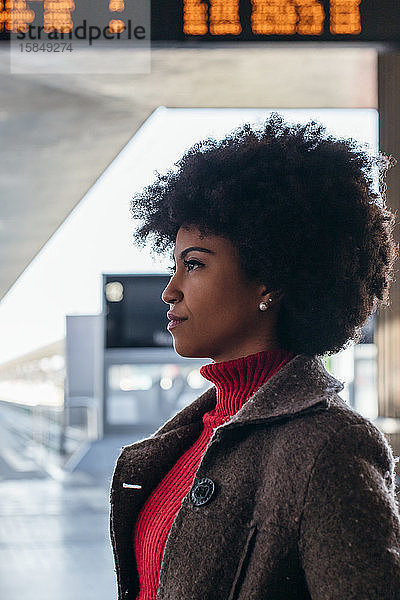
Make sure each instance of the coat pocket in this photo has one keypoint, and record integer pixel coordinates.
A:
(243, 562)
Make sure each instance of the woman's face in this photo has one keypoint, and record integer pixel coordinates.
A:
(220, 308)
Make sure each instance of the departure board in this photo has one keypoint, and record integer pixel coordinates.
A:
(274, 20)
(213, 20)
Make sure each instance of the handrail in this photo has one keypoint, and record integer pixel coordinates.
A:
(52, 440)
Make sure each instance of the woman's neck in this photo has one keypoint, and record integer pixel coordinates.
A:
(239, 378)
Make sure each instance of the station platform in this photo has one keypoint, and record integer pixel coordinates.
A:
(54, 530)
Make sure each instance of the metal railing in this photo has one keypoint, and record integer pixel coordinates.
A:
(54, 436)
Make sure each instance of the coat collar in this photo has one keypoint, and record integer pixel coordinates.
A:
(300, 385)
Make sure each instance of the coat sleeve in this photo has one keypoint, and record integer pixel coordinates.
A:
(349, 534)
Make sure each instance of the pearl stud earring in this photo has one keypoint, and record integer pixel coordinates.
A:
(264, 305)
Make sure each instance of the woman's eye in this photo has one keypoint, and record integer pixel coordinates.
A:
(191, 263)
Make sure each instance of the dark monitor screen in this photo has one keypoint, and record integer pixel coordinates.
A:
(135, 315)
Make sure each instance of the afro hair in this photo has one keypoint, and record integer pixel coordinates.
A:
(306, 212)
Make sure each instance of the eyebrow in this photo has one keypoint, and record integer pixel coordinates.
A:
(198, 248)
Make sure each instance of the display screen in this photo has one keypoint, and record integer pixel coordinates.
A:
(211, 20)
(135, 315)
(287, 20)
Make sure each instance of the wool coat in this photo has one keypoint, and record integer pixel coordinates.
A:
(294, 499)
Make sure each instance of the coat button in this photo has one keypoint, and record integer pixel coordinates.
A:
(202, 491)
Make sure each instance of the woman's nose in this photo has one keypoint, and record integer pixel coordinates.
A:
(171, 294)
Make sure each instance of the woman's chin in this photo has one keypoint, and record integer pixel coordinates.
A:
(187, 351)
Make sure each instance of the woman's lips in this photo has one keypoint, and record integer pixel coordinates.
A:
(174, 323)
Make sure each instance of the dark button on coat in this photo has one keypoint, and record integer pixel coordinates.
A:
(202, 491)
(304, 505)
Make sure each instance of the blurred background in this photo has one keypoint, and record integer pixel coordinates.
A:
(86, 363)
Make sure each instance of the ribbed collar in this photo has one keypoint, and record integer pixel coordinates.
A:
(238, 379)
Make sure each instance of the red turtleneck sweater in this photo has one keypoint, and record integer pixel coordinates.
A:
(235, 381)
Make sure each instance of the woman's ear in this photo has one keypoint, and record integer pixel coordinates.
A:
(277, 294)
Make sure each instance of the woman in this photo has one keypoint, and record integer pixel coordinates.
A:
(267, 486)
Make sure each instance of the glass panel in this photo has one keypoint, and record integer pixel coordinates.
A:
(149, 394)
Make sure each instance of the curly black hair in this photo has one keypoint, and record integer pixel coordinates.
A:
(307, 213)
